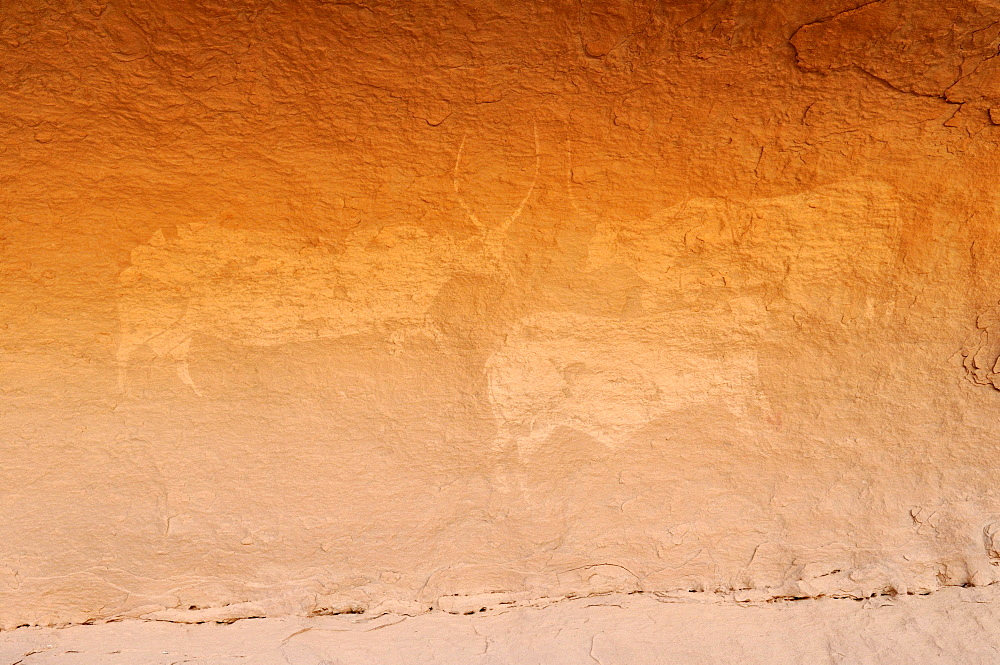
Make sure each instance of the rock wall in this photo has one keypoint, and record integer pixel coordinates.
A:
(313, 307)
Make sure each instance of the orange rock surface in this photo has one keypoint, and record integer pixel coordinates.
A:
(312, 307)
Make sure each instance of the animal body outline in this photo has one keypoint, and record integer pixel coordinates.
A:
(529, 414)
(164, 312)
(609, 378)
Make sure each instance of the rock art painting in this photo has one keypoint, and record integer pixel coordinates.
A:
(609, 378)
(264, 289)
(789, 248)
(673, 289)
(714, 269)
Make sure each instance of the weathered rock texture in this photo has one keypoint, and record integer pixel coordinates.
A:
(954, 627)
(313, 307)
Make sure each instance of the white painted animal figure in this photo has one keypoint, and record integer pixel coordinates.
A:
(260, 288)
(264, 288)
(714, 269)
(610, 378)
(827, 253)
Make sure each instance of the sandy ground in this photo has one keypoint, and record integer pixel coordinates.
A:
(957, 625)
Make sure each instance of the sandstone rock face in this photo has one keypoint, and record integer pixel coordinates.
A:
(312, 308)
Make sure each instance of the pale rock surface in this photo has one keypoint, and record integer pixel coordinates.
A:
(312, 307)
(955, 626)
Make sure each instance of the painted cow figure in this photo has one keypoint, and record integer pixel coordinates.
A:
(721, 278)
(610, 378)
(261, 288)
(266, 288)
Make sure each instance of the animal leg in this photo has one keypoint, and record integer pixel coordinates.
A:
(129, 343)
(527, 446)
(507, 477)
(504, 438)
(750, 399)
(174, 343)
(180, 353)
